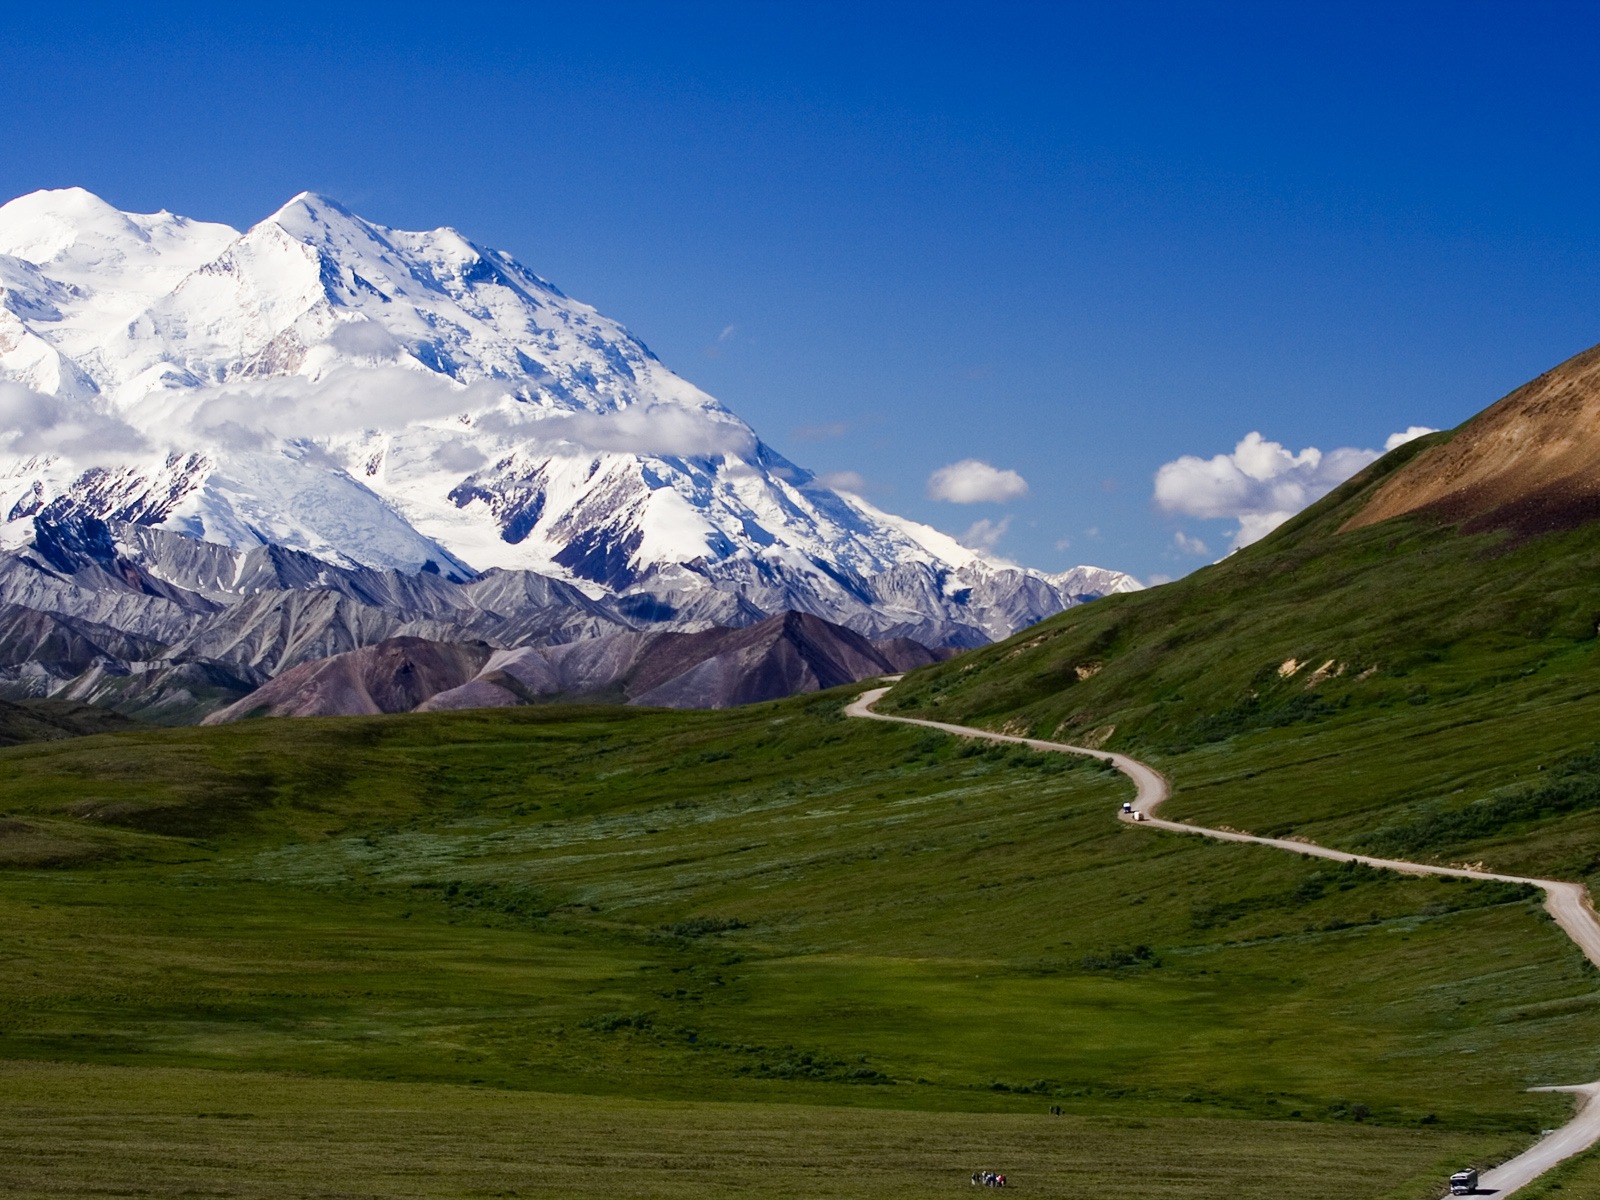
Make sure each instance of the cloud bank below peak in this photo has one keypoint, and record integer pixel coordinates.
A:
(973, 481)
(1261, 484)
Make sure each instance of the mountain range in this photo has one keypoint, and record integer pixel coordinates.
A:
(715, 668)
(226, 453)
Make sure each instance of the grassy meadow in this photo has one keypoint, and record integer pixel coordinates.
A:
(92, 1131)
(822, 954)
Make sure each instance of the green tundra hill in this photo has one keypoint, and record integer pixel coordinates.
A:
(48, 720)
(1404, 687)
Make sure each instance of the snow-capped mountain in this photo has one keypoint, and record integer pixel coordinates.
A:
(413, 402)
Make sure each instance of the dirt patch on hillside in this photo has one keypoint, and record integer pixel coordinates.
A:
(1528, 463)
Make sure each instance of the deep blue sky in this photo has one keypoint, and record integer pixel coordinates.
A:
(1072, 241)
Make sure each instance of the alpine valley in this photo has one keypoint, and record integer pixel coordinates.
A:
(226, 454)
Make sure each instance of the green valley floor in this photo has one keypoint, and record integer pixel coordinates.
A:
(760, 952)
(99, 1131)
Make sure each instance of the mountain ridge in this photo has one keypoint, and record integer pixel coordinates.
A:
(715, 668)
(381, 400)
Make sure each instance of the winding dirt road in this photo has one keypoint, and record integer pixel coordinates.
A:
(1567, 903)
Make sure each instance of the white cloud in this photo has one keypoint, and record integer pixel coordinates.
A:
(668, 430)
(1063, 543)
(1157, 580)
(348, 400)
(34, 423)
(1189, 545)
(364, 339)
(1261, 484)
(843, 481)
(715, 349)
(985, 534)
(1410, 435)
(972, 481)
(456, 455)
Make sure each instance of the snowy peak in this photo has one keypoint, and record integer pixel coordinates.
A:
(358, 257)
(390, 399)
(76, 238)
(74, 230)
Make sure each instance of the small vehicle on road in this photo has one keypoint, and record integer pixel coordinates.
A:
(1464, 1183)
(1127, 808)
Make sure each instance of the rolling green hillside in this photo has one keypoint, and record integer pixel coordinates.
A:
(49, 720)
(1404, 687)
(768, 907)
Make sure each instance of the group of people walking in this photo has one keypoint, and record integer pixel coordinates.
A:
(988, 1179)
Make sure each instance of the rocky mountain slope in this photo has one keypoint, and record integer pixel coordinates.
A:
(326, 392)
(171, 628)
(716, 668)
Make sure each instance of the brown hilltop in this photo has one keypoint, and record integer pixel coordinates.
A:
(394, 675)
(1529, 462)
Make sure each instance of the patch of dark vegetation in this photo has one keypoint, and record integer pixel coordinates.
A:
(1002, 754)
(931, 748)
(1312, 888)
(817, 1067)
(696, 927)
(514, 900)
(1273, 1106)
(1481, 893)
(188, 811)
(49, 720)
(1247, 716)
(641, 1022)
(1055, 1087)
(773, 1062)
(1571, 786)
(1347, 1111)
(30, 846)
(1120, 960)
(1458, 897)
